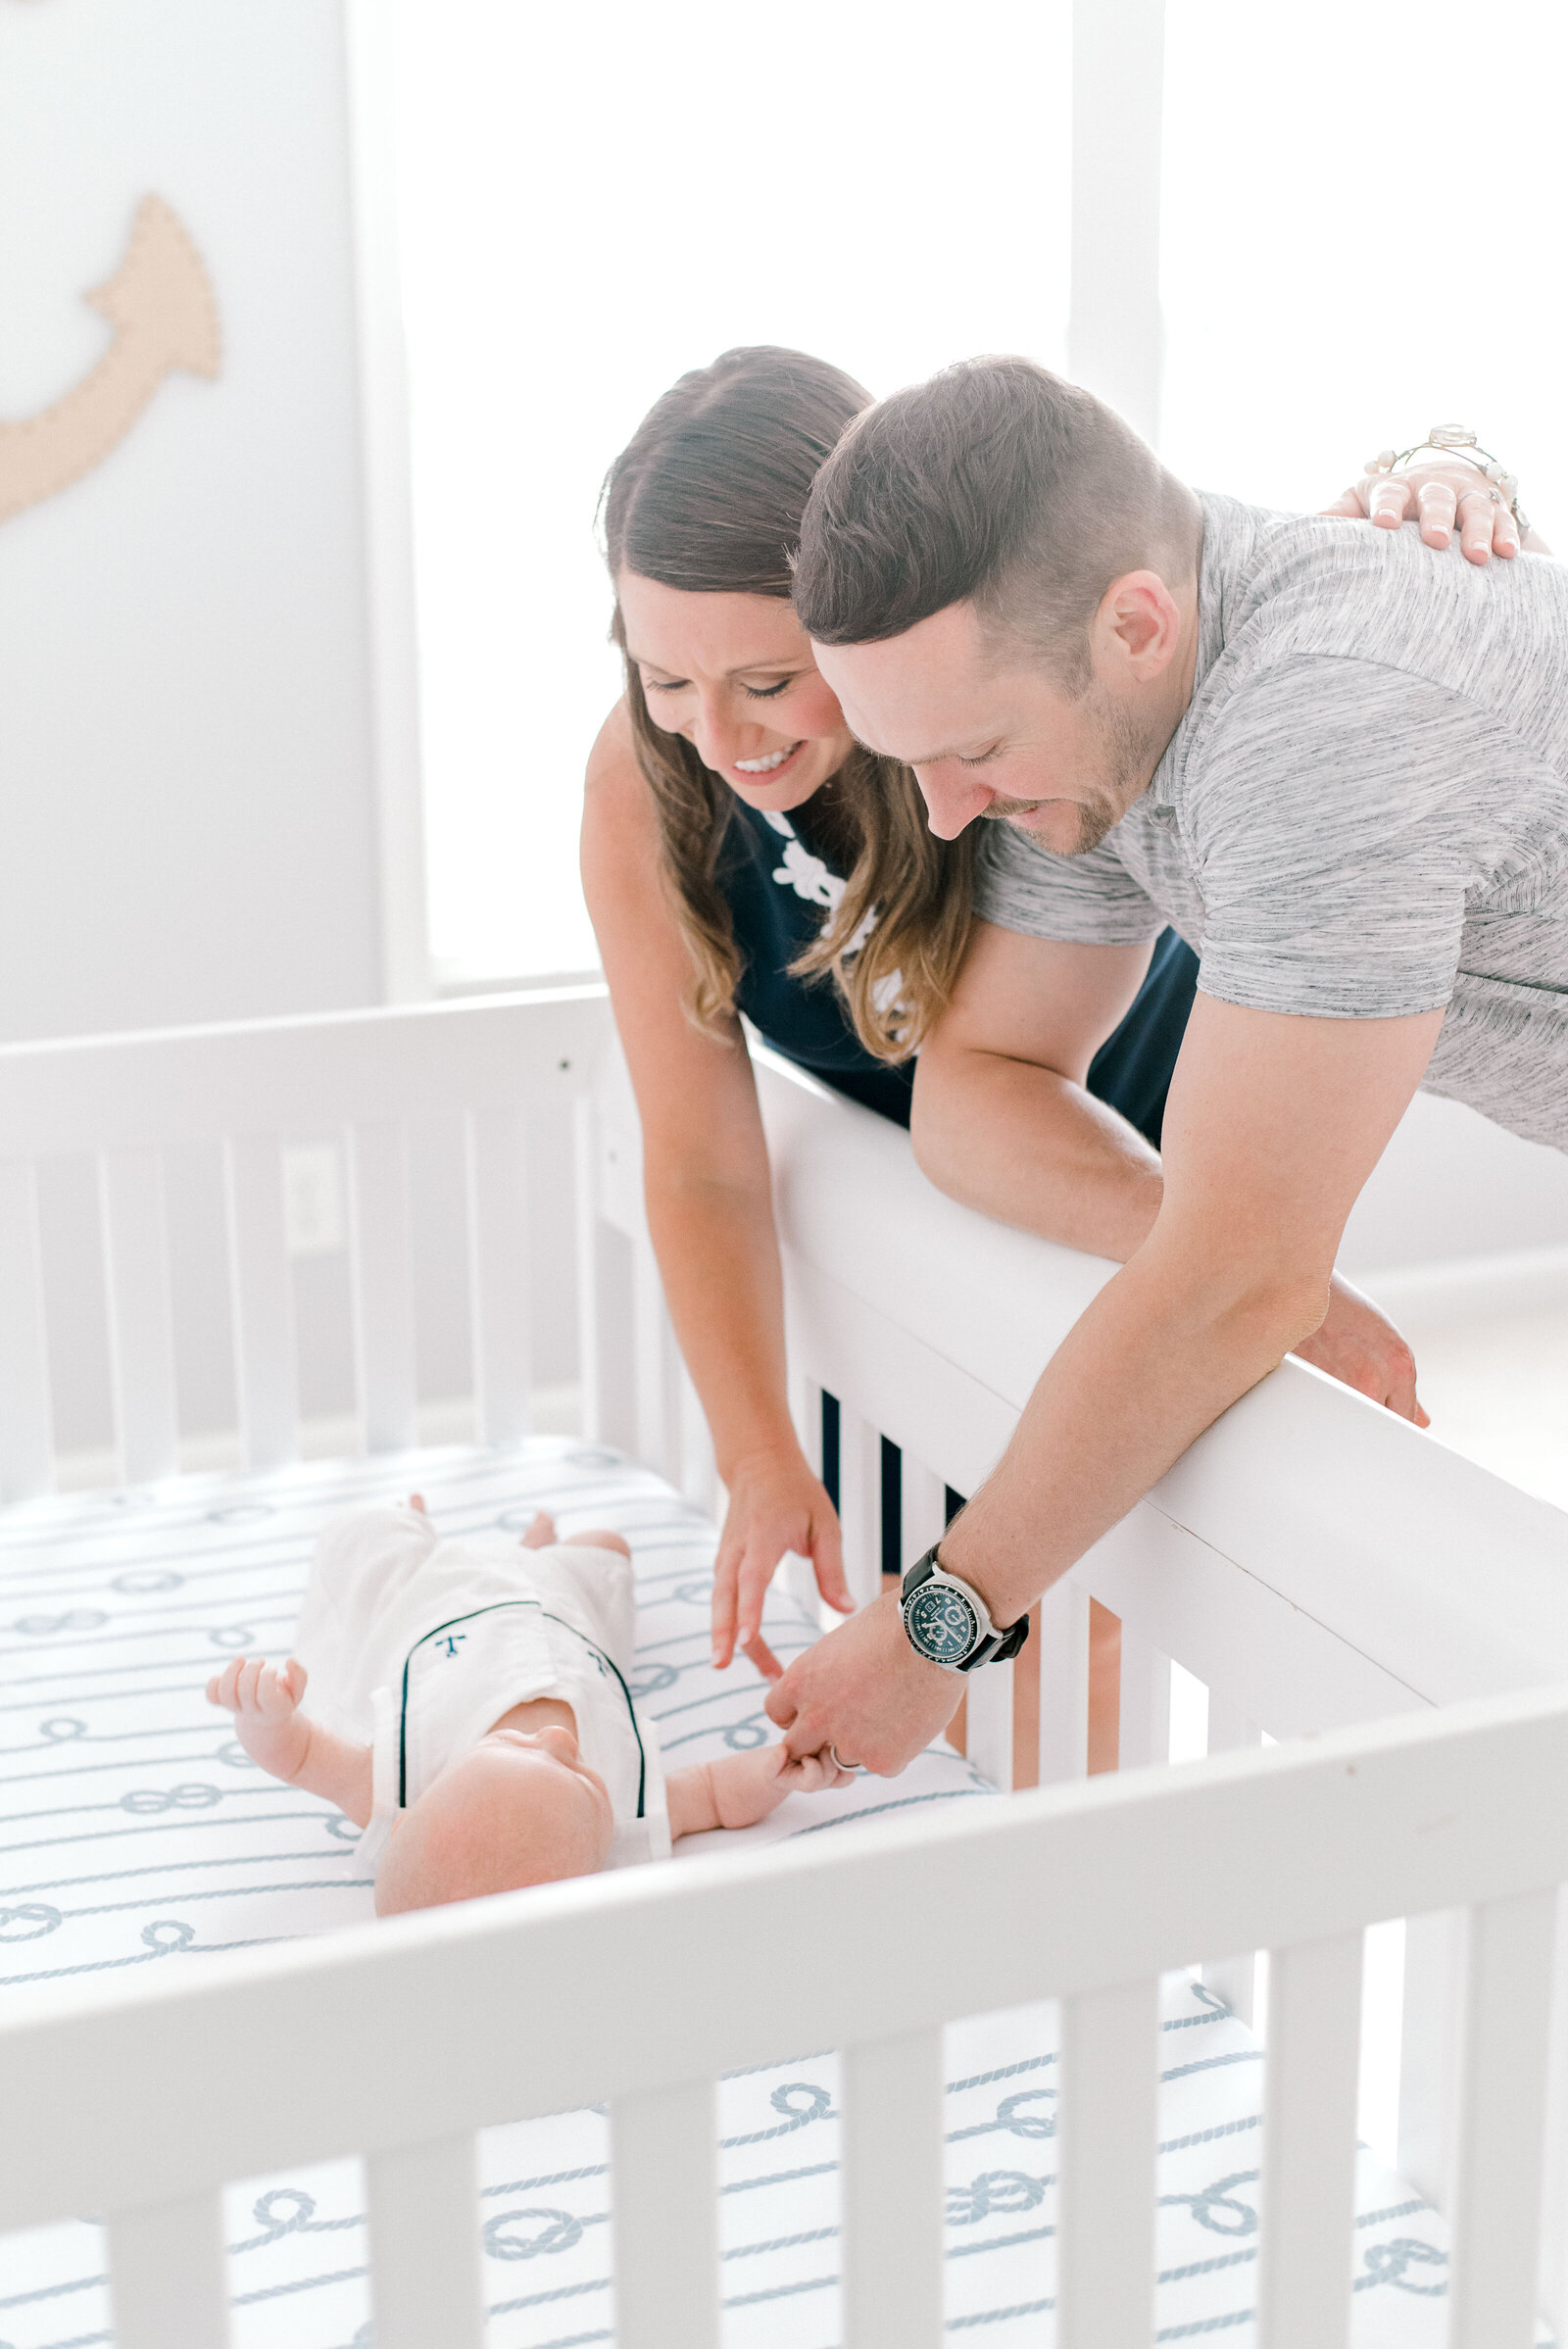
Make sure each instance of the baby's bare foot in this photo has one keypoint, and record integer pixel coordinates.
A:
(600, 1538)
(541, 1533)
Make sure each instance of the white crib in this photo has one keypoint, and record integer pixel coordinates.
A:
(1324, 1570)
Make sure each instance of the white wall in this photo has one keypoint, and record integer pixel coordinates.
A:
(186, 820)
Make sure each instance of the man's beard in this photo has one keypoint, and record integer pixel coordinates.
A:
(1124, 746)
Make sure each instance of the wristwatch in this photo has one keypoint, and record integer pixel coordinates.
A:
(949, 1624)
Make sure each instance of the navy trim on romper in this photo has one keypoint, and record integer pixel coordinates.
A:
(497, 1607)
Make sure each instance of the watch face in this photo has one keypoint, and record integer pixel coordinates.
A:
(941, 1623)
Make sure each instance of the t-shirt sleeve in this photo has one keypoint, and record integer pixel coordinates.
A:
(1337, 814)
(1088, 901)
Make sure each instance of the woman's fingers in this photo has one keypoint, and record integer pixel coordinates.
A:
(1388, 502)
(725, 1570)
(827, 1557)
(1436, 504)
(1486, 527)
(758, 1652)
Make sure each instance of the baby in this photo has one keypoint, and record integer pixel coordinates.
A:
(469, 1711)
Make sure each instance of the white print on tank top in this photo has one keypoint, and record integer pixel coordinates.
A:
(810, 877)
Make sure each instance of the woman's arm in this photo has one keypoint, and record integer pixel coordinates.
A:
(709, 1209)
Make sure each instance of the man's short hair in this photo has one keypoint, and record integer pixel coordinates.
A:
(995, 483)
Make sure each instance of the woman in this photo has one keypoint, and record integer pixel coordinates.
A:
(743, 853)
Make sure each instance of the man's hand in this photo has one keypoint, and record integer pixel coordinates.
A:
(775, 1504)
(1358, 1344)
(863, 1690)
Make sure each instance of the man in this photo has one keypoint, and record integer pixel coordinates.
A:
(1337, 766)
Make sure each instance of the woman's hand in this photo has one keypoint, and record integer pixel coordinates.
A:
(1440, 494)
(775, 1504)
(1358, 1344)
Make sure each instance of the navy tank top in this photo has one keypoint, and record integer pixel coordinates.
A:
(780, 892)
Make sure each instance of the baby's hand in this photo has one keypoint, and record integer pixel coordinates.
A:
(265, 1701)
(813, 1774)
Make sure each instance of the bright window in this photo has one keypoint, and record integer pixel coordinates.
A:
(594, 200)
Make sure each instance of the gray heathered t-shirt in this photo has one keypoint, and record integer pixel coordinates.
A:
(1363, 812)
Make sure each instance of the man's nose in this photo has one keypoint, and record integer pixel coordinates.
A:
(951, 801)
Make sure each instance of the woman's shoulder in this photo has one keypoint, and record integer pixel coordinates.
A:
(613, 759)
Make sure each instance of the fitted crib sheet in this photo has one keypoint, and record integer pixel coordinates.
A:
(136, 1832)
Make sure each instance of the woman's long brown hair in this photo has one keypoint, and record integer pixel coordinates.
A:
(707, 496)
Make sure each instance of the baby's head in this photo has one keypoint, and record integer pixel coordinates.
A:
(518, 1808)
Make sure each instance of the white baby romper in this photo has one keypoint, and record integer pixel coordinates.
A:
(420, 1646)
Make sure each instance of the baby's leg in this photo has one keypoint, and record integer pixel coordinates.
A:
(542, 1532)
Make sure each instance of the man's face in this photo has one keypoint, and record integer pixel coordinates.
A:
(989, 735)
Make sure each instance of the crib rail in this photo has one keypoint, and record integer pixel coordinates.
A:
(393, 2051)
(128, 1100)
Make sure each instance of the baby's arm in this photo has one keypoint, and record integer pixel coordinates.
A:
(740, 1789)
(274, 1733)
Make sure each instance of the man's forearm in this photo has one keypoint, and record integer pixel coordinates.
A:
(1034, 1150)
(1153, 1361)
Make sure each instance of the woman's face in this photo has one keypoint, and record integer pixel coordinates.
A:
(735, 676)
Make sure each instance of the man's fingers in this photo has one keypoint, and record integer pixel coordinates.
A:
(1388, 502)
(779, 1704)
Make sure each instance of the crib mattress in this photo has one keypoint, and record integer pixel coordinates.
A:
(137, 1833)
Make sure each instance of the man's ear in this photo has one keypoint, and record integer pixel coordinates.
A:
(1137, 629)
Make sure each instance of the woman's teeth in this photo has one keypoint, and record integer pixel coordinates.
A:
(765, 767)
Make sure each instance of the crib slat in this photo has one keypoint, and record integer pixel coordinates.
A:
(923, 1497)
(657, 1366)
(169, 2275)
(1309, 2144)
(1554, 2291)
(606, 1320)
(1233, 1978)
(381, 1271)
(27, 1432)
(1106, 2209)
(805, 1412)
(497, 1273)
(1435, 1959)
(1063, 1633)
(892, 2219)
(1143, 1733)
(425, 2247)
(861, 1503)
(988, 1702)
(263, 1292)
(141, 1329)
(665, 2162)
(1496, 2226)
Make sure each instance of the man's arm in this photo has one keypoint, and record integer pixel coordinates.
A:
(1274, 1123)
(1002, 1122)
